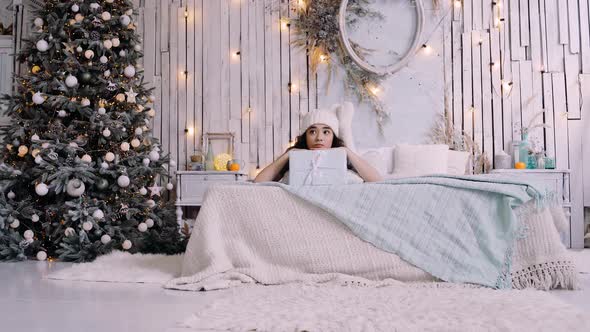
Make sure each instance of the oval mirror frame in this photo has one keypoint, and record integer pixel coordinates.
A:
(364, 64)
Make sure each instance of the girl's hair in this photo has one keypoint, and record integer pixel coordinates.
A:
(301, 143)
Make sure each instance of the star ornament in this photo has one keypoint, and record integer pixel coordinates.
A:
(155, 190)
(131, 96)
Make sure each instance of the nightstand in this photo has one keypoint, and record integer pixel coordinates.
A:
(191, 186)
(554, 180)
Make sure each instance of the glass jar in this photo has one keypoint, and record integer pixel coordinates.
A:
(540, 160)
(549, 162)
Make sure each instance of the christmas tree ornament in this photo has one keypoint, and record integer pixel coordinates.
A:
(11, 195)
(28, 234)
(116, 42)
(102, 111)
(106, 16)
(38, 98)
(22, 151)
(107, 44)
(94, 6)
(35, 69)
(95, 35)
(135, 143)
(123, 181)
(110, 1)
(142, 191)
(131, 96)
(73, 145)
(79, 49)
(103, 59)
(72, 22)
(70, 231)
(42, 45)
(34, 218)
(154, 155)
(62, 114)
(16, 143)
(137, 48)
(152, 98)
(86, 77)
(89, 54)
(15, 223)
(104, 165)
(138, 131)
(124, 146)
(45, 145)
(146, 162)
(102, 184)
(87, 225)
(106, 133)
(151, 203)
(35, 152)
(139, 108)
(85, 102)
(125, 20)
(126, 245)
(41, 256)
(107, 73)
(149, 222)
(75, 188)
(129, 71)
(41, 189)
(122, 53)
(120, 97)
(86, 158)
(71, 81)
(129, 12)
(38, 160)
(142, 227)
(75, 8)
(112, 86)
(155, 190)
(105, 239)
(98, 214)
(172, 163)
(34, 138)
(169, 186)
(79, 18)
(9, 147)
(109, 156)
(38, 22)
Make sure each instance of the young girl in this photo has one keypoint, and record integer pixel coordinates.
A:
(319, 131)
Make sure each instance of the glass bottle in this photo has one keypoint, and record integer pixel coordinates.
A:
(209, 165)
(523, 149)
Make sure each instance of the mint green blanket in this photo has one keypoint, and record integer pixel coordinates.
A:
(457, 228)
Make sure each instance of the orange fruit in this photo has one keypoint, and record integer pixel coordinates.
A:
(520, 165)
(234, 167)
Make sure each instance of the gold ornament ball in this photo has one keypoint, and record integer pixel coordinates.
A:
(35, 69)
(120, 97)
(22, 151)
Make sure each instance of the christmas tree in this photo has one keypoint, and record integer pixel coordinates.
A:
(80, 172)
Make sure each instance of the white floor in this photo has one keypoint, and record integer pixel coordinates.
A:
(30, 303)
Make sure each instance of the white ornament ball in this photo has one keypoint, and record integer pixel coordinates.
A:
(123, 181)
(120, 97)
(126, 244)
(138, 131)
(79, 18)
(41, 256)
(106, 132)
(62, 114)
(75, 8)
(89, 54)
(125, 20)
(34, 218)
(38, 22)
(129, 12)
(129, 71)
(86, 158)
(22, 150)
(104, 165)
(142, 227)
(94, 6)
(102, 111)
(34, 138)
(70, 231)
(169, 186)
(41, 189)
(146, 162)
(87, 225)
(122, 53)
(73, 144)
(151, 113)
(149, 223)
(125, 146)
(135, 143)
(143, 191)
(98, 214)
(110, 1)
(38, 160)
(71, 81)
(42, 45)
(11, 195)
(109, 156)
(28, 234)
(45, 145)
(151, 203)
(107, 44)
(15, 223)
(75, 188)
(79, 49)
(152, 98)
(106, 16)
(104, 59)
(172, 163)
(137, 48)
(105, 239)
(154, 155)
(38, 98)
(116, 42)
(85, 102)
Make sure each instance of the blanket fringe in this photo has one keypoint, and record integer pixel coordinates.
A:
(546, 276)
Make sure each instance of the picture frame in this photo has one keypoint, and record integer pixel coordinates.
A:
(221, 143)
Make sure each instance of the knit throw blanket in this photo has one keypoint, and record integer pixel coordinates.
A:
(264, 234)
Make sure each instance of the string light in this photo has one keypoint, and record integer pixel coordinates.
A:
(186, 12)
(427, 48)
(457, 3)
(323, 57)
(236, 54)
(506, 85)
(301, 4)
(190, 131)
(285, 24)
(471, 109)
(494, 65)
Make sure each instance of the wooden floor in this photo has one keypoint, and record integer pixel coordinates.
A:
(30, 303)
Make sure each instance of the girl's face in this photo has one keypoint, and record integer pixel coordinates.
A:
(319, 136)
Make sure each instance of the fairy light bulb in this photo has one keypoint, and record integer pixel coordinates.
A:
(457, 3)
(285, 24)
(323, 57)
(186, 13)
(427, 48)
(507, 85)
(190, 131)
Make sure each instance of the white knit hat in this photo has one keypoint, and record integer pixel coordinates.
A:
(338, 118)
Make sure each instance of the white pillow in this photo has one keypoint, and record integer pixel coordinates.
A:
(420, 159)
(380, 158)
(457, 164)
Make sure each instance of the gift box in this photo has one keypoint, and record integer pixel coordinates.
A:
(317, 167)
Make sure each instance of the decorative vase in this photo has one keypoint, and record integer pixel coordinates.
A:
(540, 160)
(209, 163)
(549, 163)
(523, 149)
